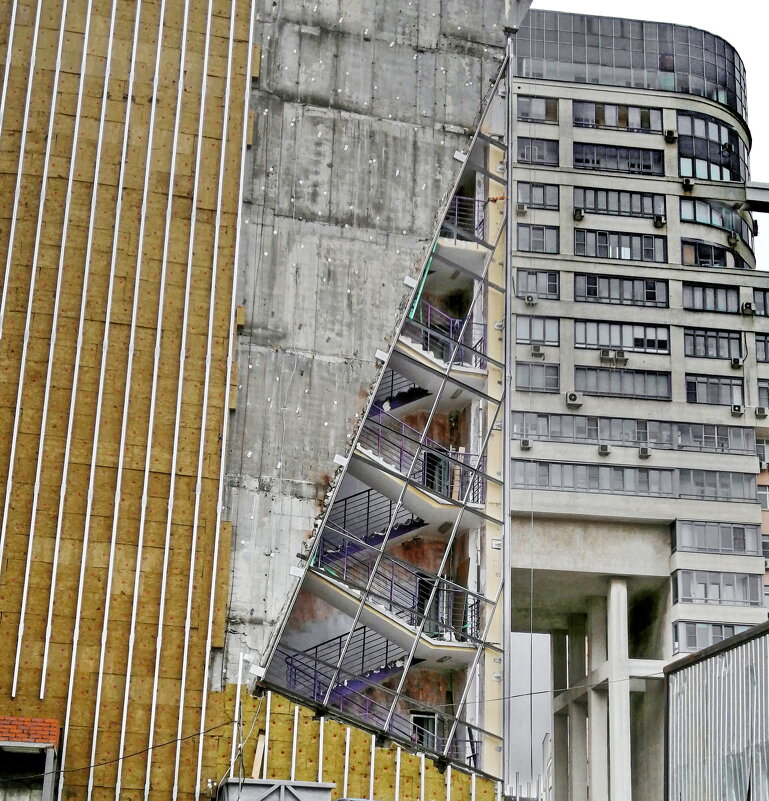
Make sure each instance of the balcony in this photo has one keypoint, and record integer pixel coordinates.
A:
(438, 334)
(447, 611)
(464, 220)
(449, 472)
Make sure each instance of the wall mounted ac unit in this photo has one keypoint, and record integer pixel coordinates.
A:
(604, 449)
(659, 221)
(670, 136)
(735, 363)
(738, 410)
(521, 209)
(574, 399)
(761, 412)
(748, 308)
(530, 300)
(687, 184)
(525, 444)
(605, 355)
(579, 214)
(644, 452)
(536, 350)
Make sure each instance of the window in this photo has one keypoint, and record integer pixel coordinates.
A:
(610, 479)
(761, 301)
(762, 494)
(762, 449)
(634, 432)
(538, 151)
(710, 150)
(615, 245)
(610, 115)
(762, 347)
(624, 336)
(538, 238)
(425, 730)
(709, 587)
(705, 254)
(618, 159)
(623, 52)
(540, 283)
(763, 392)
(538, 196)
(708, 343)
(691, 637)
(716, 485)
(621, 204)
(622, 291)
(739, 538)
(536, 377)
(717, 214)
(645, 384)
(716, 389)
(537, 109)
(708, 297)
(536, 330)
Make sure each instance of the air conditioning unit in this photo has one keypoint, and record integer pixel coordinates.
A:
(525, 444)
(644, 452)
(574, 399)
(735, 363)
(659, 221)
(738, 410)
(670, 136)
(619, 357)
(579, 213)
(761, 412)
(687, 184)
(521, 209)
(605, 355)
(732, 239)
(501, 168)
(763, 466)
(530, 300)
(604, 449)
(536, 350)
(748, 308)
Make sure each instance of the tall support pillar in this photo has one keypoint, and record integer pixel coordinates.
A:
(560, 721)
(577, 711)
(620, 782)
(598, 745)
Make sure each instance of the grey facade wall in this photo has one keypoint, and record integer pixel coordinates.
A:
(358, 111)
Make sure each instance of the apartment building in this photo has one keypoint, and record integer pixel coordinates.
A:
(640, 383)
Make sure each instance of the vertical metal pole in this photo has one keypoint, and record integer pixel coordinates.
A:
(507, 596)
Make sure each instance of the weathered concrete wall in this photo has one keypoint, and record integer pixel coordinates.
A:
(357, 114)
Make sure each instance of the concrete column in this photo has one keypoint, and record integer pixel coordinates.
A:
(619, 692)
(560, 758)
(598, 746)
(596, 631)
(577, 752)
(576, 649)
(560, 721)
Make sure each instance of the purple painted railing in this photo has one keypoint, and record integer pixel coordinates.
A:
(367, 515)
(439, 334)
(311, 679)
(437, 468)
(464, 220)
(401, 588)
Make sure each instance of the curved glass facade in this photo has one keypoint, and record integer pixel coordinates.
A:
(622, 52)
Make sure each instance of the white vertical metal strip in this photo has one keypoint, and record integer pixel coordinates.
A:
(236, 720)
(94, 451)
(126, 394)
(51, 346)
(83, 298)
(177, 419)
(346, 762)
(397, 774)
(372, 768)
(206, 384)
(6, 279)
(226, 411)
(321, 728)
(473, 777)
(448, 783)
(267, 734)
(12, 237)
(294, 741)
(422, 777)
(156, 364)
